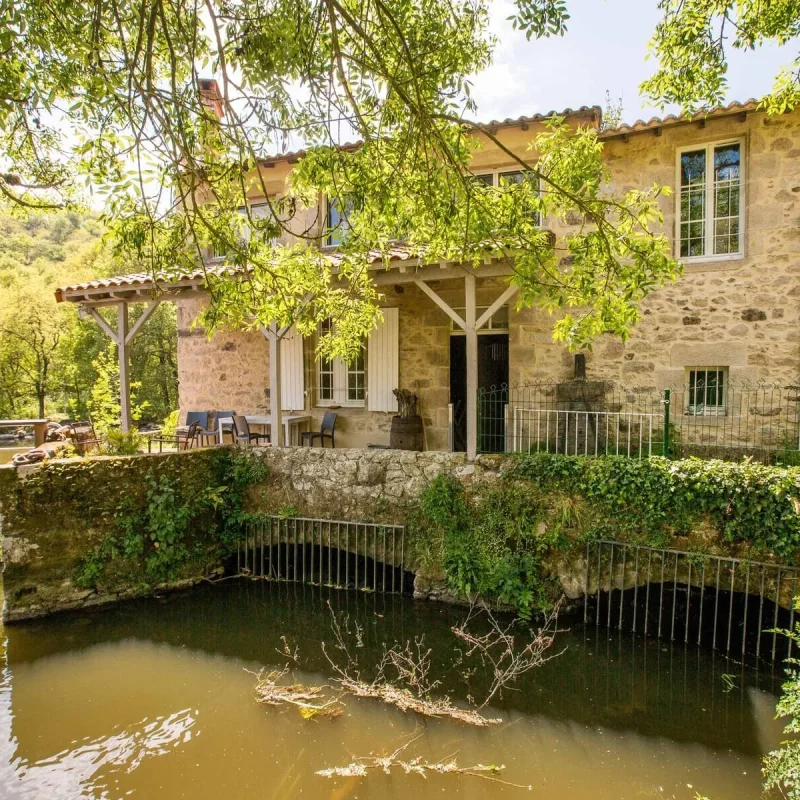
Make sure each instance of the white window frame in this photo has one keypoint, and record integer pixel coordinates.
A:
(327, 237)
(710, 231)
(720, 409)
(340, 372)
(500, 171)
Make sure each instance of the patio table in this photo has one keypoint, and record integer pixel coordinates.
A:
(292, 424)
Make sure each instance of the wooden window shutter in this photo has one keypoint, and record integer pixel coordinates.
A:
(292, 374)
(383, 362)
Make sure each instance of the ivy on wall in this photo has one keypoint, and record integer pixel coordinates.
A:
(154, 519)
(498, 540)
(653, 500)
(489, 544)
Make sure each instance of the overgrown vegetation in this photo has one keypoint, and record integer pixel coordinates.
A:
(498, 541)
(488, 545)
(50, 359)
(781, 767)
(653, 500)
(175, 524)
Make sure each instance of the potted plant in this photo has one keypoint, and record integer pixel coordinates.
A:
(407, 430)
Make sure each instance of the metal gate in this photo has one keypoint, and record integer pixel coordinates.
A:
(336, 553)
(728, 603)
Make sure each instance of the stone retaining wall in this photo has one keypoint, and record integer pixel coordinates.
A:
(53, 514)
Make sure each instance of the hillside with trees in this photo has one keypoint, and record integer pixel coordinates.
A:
(50, 358)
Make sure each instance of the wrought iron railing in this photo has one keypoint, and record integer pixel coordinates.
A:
(730, 604)
(323, 552)
(725, 420)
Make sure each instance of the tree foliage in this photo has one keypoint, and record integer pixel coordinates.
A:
(113, 93)
(48, 355)
(691, 44)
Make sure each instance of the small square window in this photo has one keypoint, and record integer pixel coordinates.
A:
(707, 391)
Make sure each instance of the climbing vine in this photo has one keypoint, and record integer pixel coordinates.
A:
(501, 540)
(655, 499)
(173, 526)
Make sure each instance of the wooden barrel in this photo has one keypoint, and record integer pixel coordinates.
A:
(406, 433)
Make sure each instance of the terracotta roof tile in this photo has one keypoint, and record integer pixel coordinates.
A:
(142, 280)
(676, 119)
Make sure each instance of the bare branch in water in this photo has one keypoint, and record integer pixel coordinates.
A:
(292, 653)
(402, 677)
(500, 646)
(309, 700)
(416, 766)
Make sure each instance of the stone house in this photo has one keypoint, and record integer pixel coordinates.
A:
(450, 332)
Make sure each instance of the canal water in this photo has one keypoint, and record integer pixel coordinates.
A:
(154, 699)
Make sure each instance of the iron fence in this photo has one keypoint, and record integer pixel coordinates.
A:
(322, 552)
(728, 603)
(708, 417)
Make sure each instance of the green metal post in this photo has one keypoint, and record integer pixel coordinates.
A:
(666, 422)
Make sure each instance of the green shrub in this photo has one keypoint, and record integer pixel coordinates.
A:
(656, 498)
(487, 545)
(781, 767)
(120, 443)
(176, 522)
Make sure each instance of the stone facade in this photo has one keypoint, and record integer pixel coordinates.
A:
(736, 313)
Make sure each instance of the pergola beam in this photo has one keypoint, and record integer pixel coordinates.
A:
(122, 338)
(274, 335)
(148, 312)
(495, 307)
(471, 330)
(454, 315)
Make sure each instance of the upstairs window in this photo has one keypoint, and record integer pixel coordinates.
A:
(710, 208)
(337, 222)
(340, 383)
(257, 211)
(707, 391)
(501, 178)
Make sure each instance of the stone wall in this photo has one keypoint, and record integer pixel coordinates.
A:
(54, 514)
(59, 516)
(738, 313)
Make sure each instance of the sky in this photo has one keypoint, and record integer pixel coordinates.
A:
(604, 49)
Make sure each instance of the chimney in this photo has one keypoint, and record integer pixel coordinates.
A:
(211, 97)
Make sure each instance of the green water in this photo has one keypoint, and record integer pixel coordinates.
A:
(154, 699)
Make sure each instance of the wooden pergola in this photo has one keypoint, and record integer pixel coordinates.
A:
(122, 291)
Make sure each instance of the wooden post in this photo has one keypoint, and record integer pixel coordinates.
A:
(471, 332)
(123, 354)
(276, 434)
(122, 337)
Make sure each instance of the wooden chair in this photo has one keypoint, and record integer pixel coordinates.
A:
(326, 431)
(242, 434)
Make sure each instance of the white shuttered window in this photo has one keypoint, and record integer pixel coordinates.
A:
(292, 380)
(383, 368)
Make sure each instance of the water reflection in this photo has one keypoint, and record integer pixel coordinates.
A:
(155, 700)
